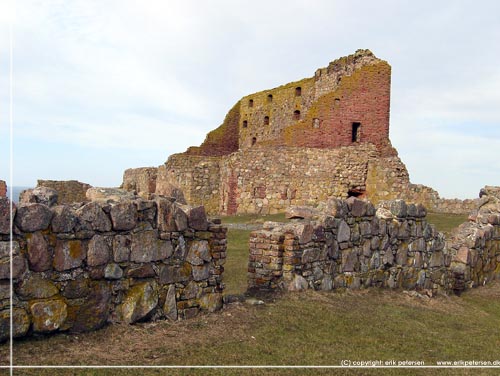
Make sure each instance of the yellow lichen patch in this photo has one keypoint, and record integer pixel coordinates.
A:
(75, 248)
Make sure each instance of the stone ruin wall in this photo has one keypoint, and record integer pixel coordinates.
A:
(314, 112)
(268, 180)
(78, 267)
(3, 189)
(352, 245)
(69, 191)
(141, 180)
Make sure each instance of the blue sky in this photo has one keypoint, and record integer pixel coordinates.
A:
(101, 86)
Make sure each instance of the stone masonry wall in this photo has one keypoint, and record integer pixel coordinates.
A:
(388, 179)
(351, 245)
(197, 176)
(141, 180)
(69, 191)
(3, 189)
(78, 267)
(268, 180)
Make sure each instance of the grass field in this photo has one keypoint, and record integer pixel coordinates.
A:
(309, 328)
(296, 329)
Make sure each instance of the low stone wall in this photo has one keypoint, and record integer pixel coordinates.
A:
(351, 244)
(69, 191)
(77, 267)
(431, 200)
(3, 189)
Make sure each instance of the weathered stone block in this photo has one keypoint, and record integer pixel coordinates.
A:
(191, 291)
(41, 195)
(76, 289)
(398, 208)
(48, 315)
(122, 245)
(20, 323)
(18, 267)
(173, 274)
(64, 219)
(196, 216)
(139, 301)
(170, 306)
(344, 232)
(170, 216)
(113, 271)
(357, 206)
(298, 283)
(35, 287)
(143, 271)
(146, 247)
(198, 253)
(123, 216)
(350, 261)
(5, 248)
(99, 251)
(437, 259)
(311, 255)
(5, 215)
(201, 272)
(92, 217)
(463, 255)
(94, 312)
(69, 254)
(33, 217)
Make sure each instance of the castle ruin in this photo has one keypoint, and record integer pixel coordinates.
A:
(298, 144)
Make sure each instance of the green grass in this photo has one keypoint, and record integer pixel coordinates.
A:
(446, 222)
(235, 269)
(254, 218)
(309, 328)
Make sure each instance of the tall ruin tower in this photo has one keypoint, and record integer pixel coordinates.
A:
(296, 144)
(343, 104)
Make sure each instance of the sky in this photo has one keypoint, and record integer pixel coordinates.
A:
(102, 86)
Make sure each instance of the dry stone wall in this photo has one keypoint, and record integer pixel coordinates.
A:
(78, 267)
(351, 244)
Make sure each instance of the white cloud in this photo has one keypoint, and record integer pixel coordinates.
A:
(158, 75)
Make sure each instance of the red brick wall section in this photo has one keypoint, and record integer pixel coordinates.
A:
(232, 204)
(223, 140)
(363, 97)
(3, 189)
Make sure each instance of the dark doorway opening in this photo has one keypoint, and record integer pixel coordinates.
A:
(358, 193)
(356, 132)
(254, 140)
